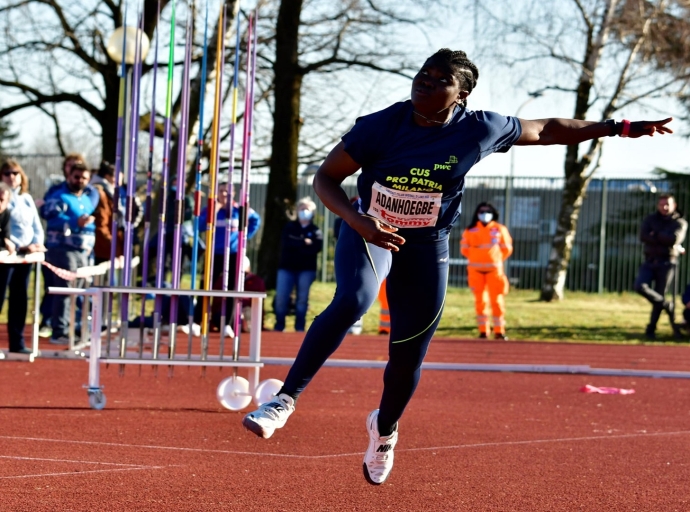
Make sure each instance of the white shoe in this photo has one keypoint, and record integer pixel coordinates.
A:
(229, 332)
(270, 416)
(378, 460)
(196, 329)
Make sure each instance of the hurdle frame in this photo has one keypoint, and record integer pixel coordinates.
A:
(96, 355)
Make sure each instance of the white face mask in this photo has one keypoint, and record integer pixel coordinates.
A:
(485, 218)
(305, 215)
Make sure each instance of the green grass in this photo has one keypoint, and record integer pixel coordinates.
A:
(581, 317)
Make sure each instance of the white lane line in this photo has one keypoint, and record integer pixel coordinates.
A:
(73, 473)
(72, 461)
(359, 454)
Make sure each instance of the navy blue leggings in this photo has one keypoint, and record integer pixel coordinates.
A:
(417, 278)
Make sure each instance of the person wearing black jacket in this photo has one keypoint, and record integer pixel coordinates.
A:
(301, 242)
(662, 234)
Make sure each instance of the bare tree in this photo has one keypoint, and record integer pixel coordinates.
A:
(602, 53)
(53, 53)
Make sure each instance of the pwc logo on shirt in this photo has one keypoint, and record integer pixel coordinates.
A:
(403, 209)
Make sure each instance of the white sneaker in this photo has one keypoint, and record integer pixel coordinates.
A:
(229, 332)
(378, 460)
(196, 329)
(270, 416)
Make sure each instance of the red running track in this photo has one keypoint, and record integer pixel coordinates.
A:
(469, 441)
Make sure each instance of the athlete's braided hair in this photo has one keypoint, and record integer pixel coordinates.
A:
(463, 68)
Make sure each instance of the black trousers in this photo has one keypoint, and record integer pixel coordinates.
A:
(16, 278)
(660, 273)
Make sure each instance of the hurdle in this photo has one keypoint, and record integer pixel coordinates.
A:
(234, 393)
(35, 258)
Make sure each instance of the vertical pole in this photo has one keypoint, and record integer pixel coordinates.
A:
(37, 302)
(213, 185)
(197, 185)
(602, 234)
(163, 191)
(149, 192)
(508, 202)
(181, 182)
(246, 169)
(229, 207)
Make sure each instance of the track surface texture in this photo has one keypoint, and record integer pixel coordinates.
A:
(469, 441)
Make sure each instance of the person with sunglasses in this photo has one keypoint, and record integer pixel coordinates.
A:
(487, 244)
(414, 156)
(26, 235)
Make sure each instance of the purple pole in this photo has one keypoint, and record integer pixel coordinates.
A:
(149, 189)
(197, 184)
(121, 107)
(160, 254)
(131, 186)
(229, 207)
(179, 198)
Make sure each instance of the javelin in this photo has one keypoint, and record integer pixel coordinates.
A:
(213, 173)
(160, 254)
(131, 185)
(149, 187)
(231, 168)
(246, 166)
(179, 198)
(118, 166)
(197, 183)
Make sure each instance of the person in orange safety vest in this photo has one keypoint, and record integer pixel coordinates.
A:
(486, 244)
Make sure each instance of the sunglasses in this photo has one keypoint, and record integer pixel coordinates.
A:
(10, 173)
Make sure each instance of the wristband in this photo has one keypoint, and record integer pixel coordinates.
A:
(625, 132)
(613, 127)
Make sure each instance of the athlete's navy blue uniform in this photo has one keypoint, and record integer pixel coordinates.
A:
(412, 178)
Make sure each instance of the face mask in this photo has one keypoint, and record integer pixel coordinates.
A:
(485, 218)
(305, 215)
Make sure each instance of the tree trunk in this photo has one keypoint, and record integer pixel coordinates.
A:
(573, 196)
(109, 114)
(282, 181)
(576, 177)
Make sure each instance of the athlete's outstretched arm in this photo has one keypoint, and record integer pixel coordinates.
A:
(544, 132)
(337, 166)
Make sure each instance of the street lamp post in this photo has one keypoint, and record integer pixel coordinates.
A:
(509, 182)
(121, 48)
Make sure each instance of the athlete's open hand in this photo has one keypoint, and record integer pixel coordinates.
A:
(642, 128)
(378, 233)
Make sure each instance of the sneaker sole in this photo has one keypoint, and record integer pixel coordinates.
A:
(255, 428)
(368, 478)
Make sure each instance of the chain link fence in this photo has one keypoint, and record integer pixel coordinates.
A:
(606, 254)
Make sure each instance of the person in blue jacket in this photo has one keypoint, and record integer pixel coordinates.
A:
(70, 238)
(414, 156)
(227, 218)
(301, 242)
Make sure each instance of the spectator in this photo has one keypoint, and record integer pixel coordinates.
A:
(46, 307)
(662, 234)
(301, 242)
(487, 244)
(70, 238)
(104, 183)
(26, 235)
(225, 218)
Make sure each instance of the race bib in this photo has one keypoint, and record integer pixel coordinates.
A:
(404, 209)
